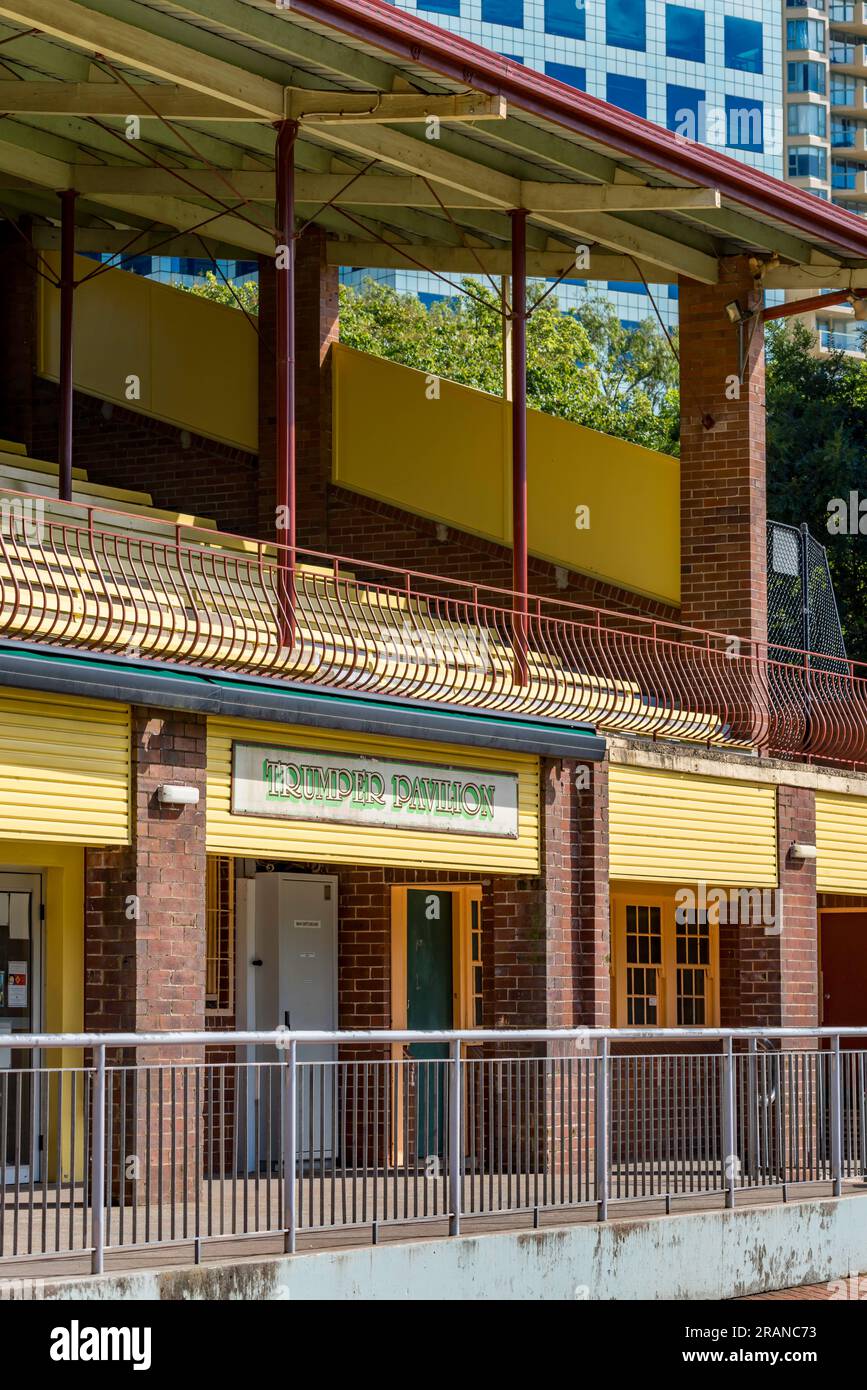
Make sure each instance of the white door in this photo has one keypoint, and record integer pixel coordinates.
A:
(20, 1012)
(296, 987)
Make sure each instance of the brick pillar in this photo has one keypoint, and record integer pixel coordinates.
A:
(550, 959)
(316, 329)
(18, 286)
(799, 942)
(318, 309)
(550, 948)
(770, 971)
(723, 490)
(145, 934)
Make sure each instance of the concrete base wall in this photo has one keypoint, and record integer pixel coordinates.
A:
(712, 1255)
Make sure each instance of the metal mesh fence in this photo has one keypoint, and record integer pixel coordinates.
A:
(802, 609)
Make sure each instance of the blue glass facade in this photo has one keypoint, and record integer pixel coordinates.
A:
(564, 72)
(684, 33)
(626, 24)
(503, 12)
(565, 19)
(744, 44)
(630, 93)
(705, 71)
(704, 74)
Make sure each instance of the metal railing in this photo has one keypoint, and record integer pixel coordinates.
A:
(151, 1141)
(86, 577)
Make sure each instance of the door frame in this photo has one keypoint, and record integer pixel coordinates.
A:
(463, 895)
(247, 938)
(820, 973)
(331, 879)
(37, 997)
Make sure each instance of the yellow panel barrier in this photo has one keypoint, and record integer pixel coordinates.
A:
(64, 769)
(195, 363)
(442, 451)
(671, 827)
(841, 842)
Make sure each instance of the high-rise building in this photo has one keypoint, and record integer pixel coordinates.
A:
(826, 121)
(705, 70)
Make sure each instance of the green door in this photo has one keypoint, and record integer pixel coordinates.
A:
(430, 1004)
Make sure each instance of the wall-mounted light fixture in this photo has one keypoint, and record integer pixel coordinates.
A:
(176, 794)
(740, 317)
(801, 851)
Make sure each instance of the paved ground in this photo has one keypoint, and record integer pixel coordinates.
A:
(806, 1292)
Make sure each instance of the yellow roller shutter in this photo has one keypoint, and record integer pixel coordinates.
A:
(64, 769)
(841, 842)
(260, 836)
(670, 827)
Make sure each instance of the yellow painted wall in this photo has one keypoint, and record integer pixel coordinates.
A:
(62, 869)
(265, 837)
(841, 843)
(449, 459)
(197, 361)
(64, 769)
(669, 827)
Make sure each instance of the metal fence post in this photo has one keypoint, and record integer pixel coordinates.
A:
(603, 1155)
(290, 1147)
(753, 1118)
(97, 1196)
(728, 1121)
(455, 1147)
(836, 1117)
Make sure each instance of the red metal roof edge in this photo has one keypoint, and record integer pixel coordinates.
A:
(416, 40)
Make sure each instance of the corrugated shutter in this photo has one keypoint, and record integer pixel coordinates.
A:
(670, 827)
(841, 843)
(64, 769)
(265, 837)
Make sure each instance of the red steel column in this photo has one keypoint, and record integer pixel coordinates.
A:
(287, 133)
(67, 302)
(520, 578)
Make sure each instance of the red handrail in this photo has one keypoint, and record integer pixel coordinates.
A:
(367, 626)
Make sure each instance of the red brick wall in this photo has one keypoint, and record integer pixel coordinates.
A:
(723, 493)
(123, 449)
(544, 940)
(368, 530)
(145, 903)
(769, 978)
(799, 943)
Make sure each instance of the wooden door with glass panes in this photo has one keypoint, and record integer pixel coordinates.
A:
(664, 962)
(20, 1012)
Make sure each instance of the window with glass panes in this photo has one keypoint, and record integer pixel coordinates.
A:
(664, 961)
(806, 77)
(692, 956)
(643, 963)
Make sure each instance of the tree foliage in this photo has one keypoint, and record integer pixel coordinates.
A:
(817, 451)
(237, 296)
(582, 365)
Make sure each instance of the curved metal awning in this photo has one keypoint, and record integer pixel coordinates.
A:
(414, 145)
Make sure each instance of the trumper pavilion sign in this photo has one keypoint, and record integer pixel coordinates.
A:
(297, 784)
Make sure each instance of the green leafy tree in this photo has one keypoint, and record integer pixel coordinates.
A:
(581, 365)
(817, 451)
(214, 287)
